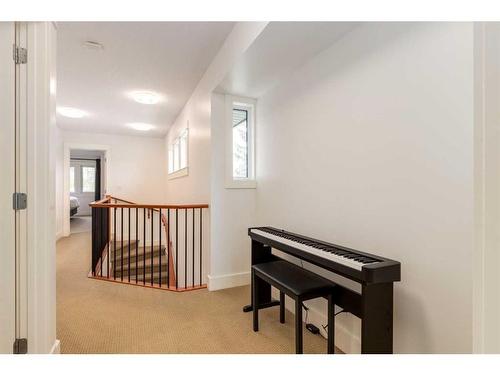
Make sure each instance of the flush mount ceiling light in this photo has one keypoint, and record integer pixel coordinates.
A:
(71, 112)
(141, 126)
(145, 97)
(91, 44)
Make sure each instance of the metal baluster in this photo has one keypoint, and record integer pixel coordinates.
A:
(121, 249)
(129, 244)
(159, 228)
(176, 249)
(114, 244)
(201, 242)
(136, 241)
(99, 234)
(185, 246)
(108, 212)
(152, 248)
(168, 248)
(144, 249)
(192, 259)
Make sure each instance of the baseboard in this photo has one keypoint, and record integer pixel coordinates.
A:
(228, 281)
(56, 348)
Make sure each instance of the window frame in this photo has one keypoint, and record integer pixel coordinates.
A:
(248, 104)
(173, 145)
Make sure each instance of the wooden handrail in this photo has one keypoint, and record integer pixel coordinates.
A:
(149, 206)
(106, 202)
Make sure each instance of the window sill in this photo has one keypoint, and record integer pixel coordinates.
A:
(180, 173)
(241, 184)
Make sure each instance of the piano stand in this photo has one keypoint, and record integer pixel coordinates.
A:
(374, 305)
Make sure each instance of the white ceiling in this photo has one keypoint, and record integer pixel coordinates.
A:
(280, 49)
(165, 57)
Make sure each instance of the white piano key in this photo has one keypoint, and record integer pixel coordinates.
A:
(312, 250)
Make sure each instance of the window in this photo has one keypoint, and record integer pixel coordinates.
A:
(178, 155)
(88, 179)
(82, 176)
(240, 165)
(240, 143)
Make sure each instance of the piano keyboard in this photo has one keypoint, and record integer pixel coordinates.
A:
(337, 255)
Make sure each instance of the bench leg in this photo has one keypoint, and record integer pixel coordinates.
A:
(255, 302)
(282, 307)
(331, 325)
(298, 326)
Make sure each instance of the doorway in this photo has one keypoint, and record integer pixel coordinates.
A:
(86, 177)
(85, 181)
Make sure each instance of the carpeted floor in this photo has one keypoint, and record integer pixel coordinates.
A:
(102, 317)
(79, 224)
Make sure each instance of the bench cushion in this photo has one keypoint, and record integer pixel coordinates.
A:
(293, 278)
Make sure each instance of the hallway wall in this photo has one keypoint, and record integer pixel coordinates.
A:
(370, 145)
(136, 166)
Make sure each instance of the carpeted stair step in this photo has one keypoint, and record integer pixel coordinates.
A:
(142, 253)
(122, 244)
(140, 267)
(156, 277)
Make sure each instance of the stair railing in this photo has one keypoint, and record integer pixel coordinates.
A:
(160, 246)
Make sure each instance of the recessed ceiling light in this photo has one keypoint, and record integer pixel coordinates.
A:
(141, 126)
(145, 97)
(71, 112)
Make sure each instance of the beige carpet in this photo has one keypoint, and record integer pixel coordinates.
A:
(96, 316)
(79, 224)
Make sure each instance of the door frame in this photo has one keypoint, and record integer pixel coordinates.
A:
(68, 146)
(7, 187)
(486, 278)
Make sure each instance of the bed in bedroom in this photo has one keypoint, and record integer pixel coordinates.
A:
(74, 203)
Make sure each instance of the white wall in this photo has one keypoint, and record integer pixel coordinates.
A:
(136, 166)
(369, 145)
(233, 212)
(196, 186)
(41, 272)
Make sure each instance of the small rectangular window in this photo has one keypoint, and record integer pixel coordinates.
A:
(88, 179)
(240, 142)
(183, 150)
(178, 155)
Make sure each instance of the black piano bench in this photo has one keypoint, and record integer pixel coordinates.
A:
(299, 284)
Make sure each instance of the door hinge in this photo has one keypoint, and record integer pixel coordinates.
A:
(19, 201)
(20, 346)
(20, 55)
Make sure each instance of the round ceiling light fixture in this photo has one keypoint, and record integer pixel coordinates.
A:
(71, 112)
(91, 44)
(145, 97)
(141, 126)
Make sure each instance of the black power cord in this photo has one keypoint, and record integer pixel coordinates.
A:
(341, 311)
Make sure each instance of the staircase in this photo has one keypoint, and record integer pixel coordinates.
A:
(129, 244)
(137, 262)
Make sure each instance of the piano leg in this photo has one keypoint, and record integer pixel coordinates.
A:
(377, 321)
(261, 254)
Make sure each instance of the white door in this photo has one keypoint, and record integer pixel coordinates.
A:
(7, 187)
